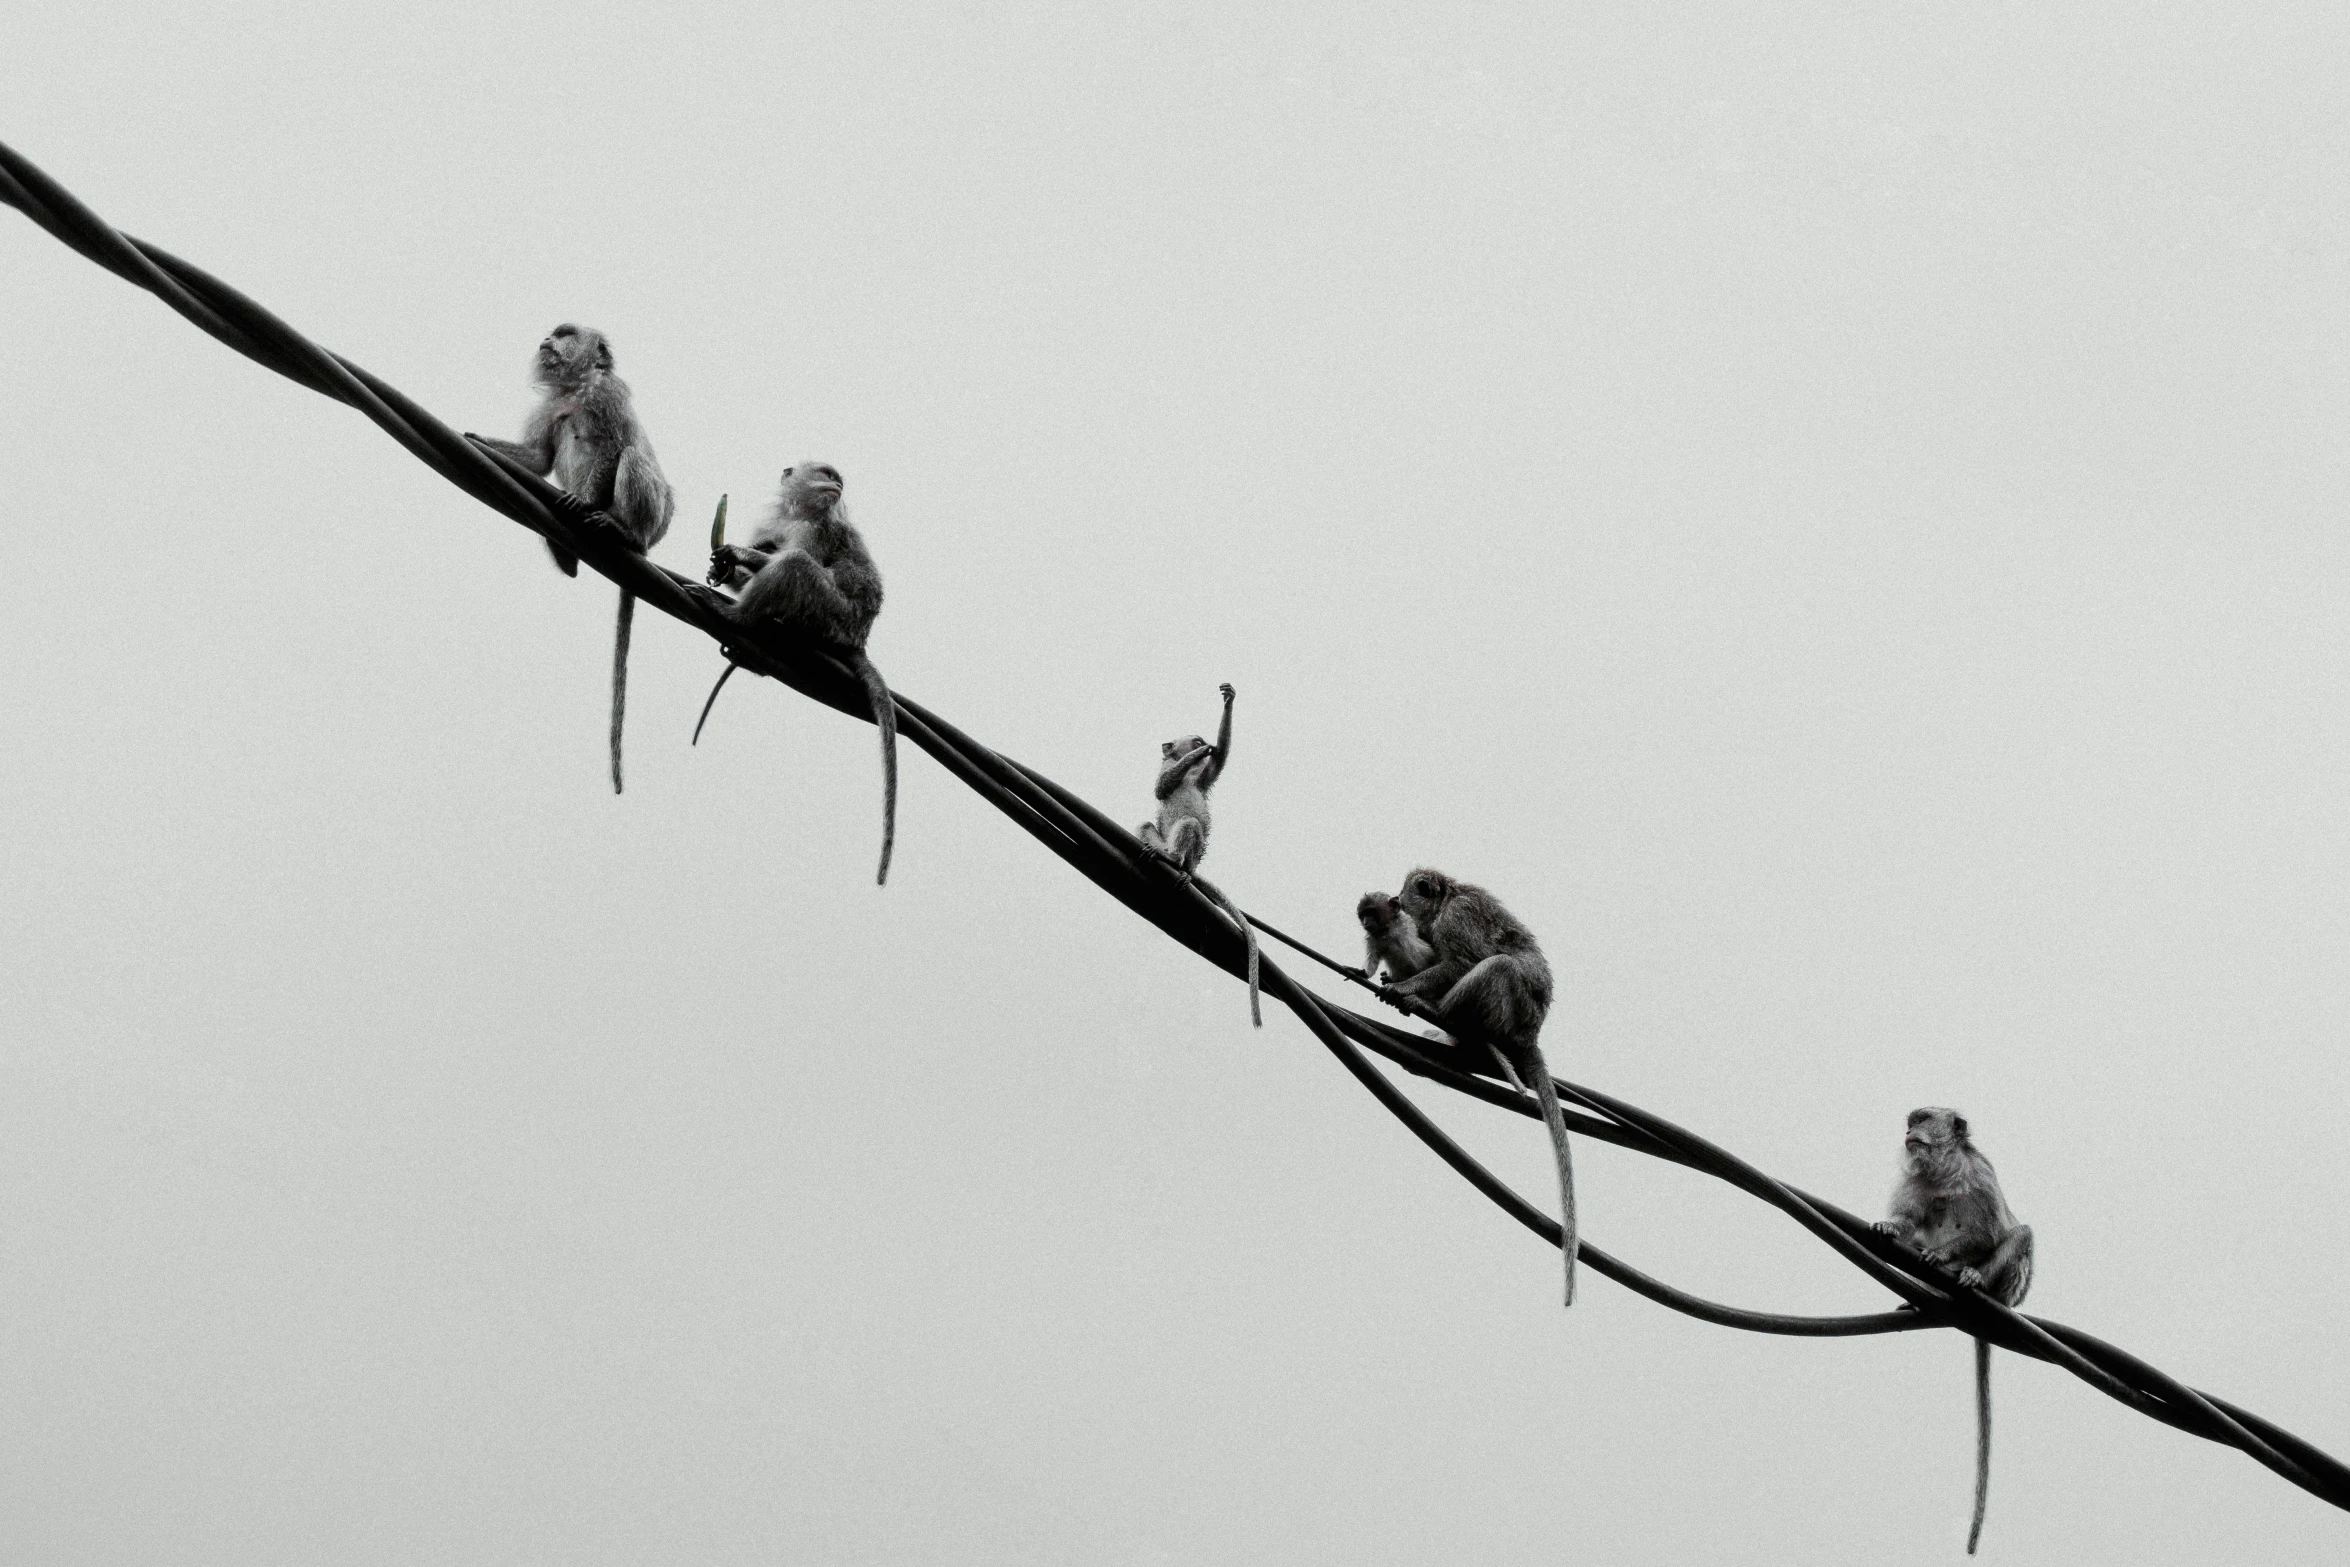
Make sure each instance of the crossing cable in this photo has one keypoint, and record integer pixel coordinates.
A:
(1113, 859)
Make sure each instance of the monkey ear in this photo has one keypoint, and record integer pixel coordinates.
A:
(1958, 1125)
(603, 356)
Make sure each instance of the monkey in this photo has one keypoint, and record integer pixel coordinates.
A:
(1390, 938)
(807, 570)
(1188, 769)
(1948, 1207)
(585, 432)
(1488, 974)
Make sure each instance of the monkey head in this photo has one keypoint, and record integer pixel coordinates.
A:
(1390, 937)
(1935, 1137)
(1423, 895)
(569, 355)
(810, 488)
(1182, 750)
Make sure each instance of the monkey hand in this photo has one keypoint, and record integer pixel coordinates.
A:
(1970, 1278)
(1938, 1257)
(731, 561)
(1887, 1227)
(1226, 690)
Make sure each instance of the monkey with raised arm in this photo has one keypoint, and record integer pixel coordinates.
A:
(1488, 979)
(1188, 769)
(1949, 1208)
(584, 432)
(807, 570)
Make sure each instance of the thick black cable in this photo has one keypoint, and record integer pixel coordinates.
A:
(1106, 855)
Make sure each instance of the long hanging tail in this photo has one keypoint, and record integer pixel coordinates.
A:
(724, 675)
(1256, 1012)
(620, 677)
(1547, 1095)
(1982, 1441)
(1248, 933)
(885, 718)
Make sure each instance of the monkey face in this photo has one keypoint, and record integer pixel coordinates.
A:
(811, 484)
(1378, 912)
(1182, 750)
(1933, 1128)
(568, 353)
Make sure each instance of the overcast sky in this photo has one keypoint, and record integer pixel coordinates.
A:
(1836, 515)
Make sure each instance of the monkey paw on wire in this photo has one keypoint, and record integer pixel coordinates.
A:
(589, 523)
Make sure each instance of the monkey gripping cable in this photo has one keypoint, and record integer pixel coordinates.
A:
(1112, 859)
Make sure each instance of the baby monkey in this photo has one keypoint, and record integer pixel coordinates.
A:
(1455, 955)
(1188, 769)
(584, 431)
(1390, 938)
(807, 570)
(1949, 1208)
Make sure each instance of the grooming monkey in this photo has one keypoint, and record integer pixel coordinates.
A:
(807, 570)
(585, 432)
(1949, 1208)
(1484, 974)
(1188, 769)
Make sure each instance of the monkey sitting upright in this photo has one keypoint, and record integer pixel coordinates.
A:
(1949, 1207)
(1188, 769)
(1487, 977)
(1390, 939)
(584, 431)
(807, 570)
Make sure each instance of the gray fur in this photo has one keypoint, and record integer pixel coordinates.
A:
(807, 569)
(1487, 978)
(584, 432)
(1390, 938)
(1188, 769)
(1949, 1208)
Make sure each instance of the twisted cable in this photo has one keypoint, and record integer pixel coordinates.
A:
(1113, 859)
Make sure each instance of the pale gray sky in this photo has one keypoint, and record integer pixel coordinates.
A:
(1834, 513)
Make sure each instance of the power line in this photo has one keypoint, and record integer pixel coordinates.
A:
(1111, 858)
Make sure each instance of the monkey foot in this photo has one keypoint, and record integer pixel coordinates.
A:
(712, 600)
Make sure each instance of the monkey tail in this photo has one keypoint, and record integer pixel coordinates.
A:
(1256, 1012)
(1982, 1441)
(724, 675)
(620, 677)
(885, 718)
(1546, 1094)
(1248, 934)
